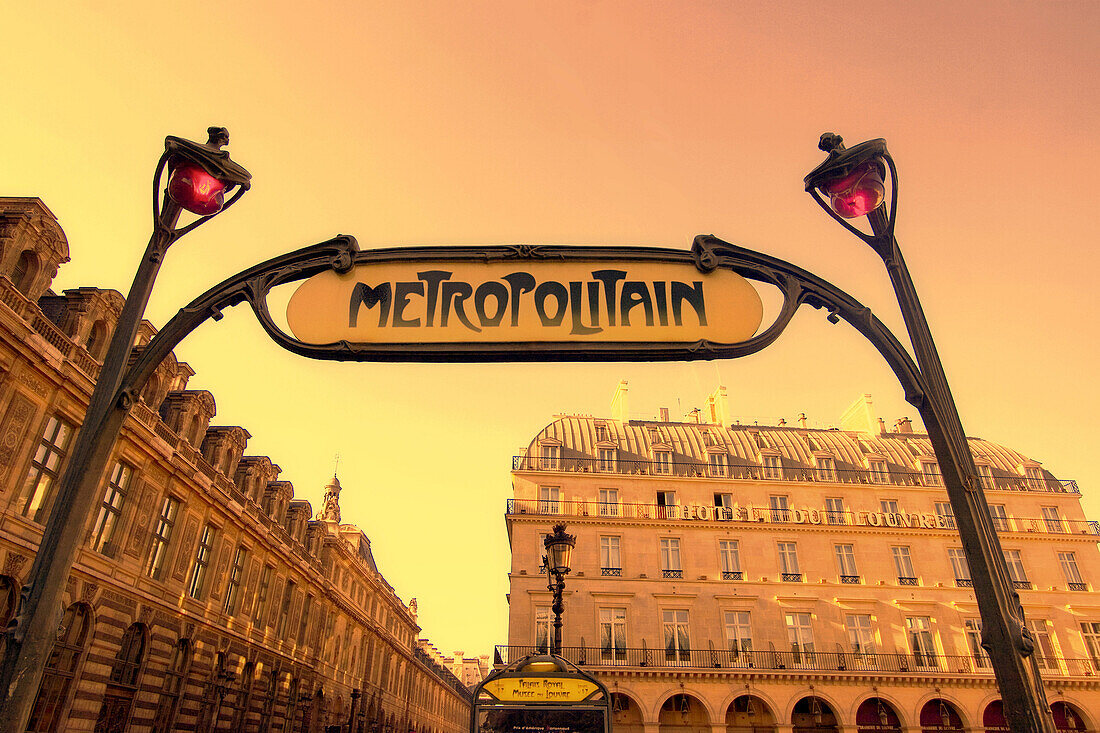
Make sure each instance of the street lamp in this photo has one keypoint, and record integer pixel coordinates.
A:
(849, 185)
(559, 548)
(199, 177)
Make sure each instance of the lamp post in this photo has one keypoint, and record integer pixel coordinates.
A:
(198, 178)
(219, 687)
(559, 548)
(853, 181)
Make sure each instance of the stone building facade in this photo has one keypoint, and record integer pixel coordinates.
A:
(729, 577)
(207, 597)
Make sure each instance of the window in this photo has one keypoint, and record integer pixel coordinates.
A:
(860, 633)
(666, 505)
(1016, 569)
(662, 462)
(162, 535)
(960, 567)
(730, 560)
(37, 493)
(788, 562)
(738, 632)
(550, 458)
(846, 563)
(60, 670)
(26, 268)
(606, 459)
(303, 621)
(110, 509)
(903, 563)
(879, 473)
(772, 467)
(202, 560)
(1034, 477)
(670, 558)
(123, 682)
(609, 502)
(1044, 643)
(985, 475)
(234, 584)
(779, 507)
(175, 676)
(1053, 520)
(800, 635)
(920, 640)
(973, 627)
(1068, 561)
(824, 468)
(888, 506)
(999, 516)
(260, 606)
(549, 500)
(284, 610)
(612, 634)
(677, 644)
(1090, 632)
(716, 464)
(930, 472)
(723, 506)
(946, 514)
(544, 628)
(834, 511)
(610, 561)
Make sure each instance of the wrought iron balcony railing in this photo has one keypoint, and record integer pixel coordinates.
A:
(856, 662)
(1078, 586)
(612, 572)
(906, 580)
(849, 579)
(672, 573)
(732, 575)
(792, 577)
(579, 508)
(964, 583)
(694, 468)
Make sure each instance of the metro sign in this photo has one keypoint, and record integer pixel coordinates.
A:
(521, 303)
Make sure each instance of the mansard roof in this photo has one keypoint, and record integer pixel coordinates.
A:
(635, 439)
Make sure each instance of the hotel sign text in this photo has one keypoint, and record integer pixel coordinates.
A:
(814, 515)
(567, 299)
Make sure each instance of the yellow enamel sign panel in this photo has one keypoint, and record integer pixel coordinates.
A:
(539, 689)
(441, 302)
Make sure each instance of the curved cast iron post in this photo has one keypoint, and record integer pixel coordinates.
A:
(1005, 635)
(30, 640)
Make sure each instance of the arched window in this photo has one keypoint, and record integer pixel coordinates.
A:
(61, 668)
(118, 700)
(175, 679)
(97, 339)
(151, 392)
(26, 268)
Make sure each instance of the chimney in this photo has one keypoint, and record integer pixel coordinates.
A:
(718, 407)
(904, 425)
(664, 414)
(618, 403)
(782, 422)
(802, 419)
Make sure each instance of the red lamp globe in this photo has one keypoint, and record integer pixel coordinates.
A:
(858, 193)
(196, 190)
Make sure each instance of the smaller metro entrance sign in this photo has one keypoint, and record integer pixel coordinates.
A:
(499, 302)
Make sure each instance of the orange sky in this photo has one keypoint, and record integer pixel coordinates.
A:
(591, 123)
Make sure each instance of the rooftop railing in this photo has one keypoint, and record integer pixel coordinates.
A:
(999, 481)
(798, 661)
(763, 514)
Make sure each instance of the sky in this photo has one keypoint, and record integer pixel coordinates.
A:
(579, 122)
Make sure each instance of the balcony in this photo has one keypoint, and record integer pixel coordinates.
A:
(672, 573)
(809, 515)
(611, 572)
(849, 579)
(906, 580)
(851, 662)
(1021, 584)
(692, 468)
(791, 577)
(1079, 586)
(964, 583)
(732, 575)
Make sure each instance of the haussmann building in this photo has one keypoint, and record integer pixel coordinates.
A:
(730, 578)
(207, 597)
